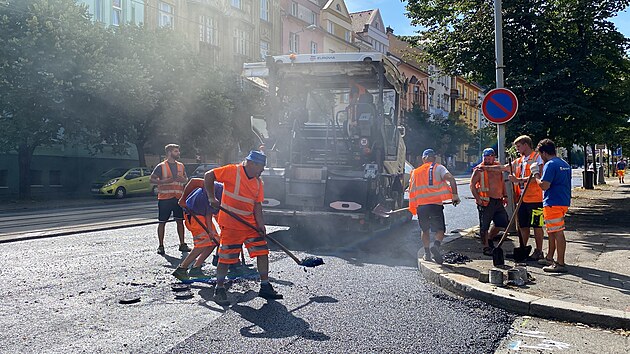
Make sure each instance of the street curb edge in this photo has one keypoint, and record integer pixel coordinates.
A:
(520, 303)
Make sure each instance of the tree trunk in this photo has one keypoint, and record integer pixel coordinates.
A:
(594, 164)
(25, 155)
(141, 158)
(585, 157)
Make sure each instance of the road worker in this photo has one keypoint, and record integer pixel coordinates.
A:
(430, 186)
(621, 170)
(530, 213)
(170, 177)
(198, 219)
(556, 185)
(488, 189)
(243, 194)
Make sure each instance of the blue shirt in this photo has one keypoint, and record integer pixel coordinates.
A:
(558, 173)
(198, 204)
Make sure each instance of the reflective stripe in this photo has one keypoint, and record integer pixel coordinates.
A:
(229, 255)
(432, 194)
(553, 221)
(254, 239)
(230, 247)
(555, 228)
(237, 211)
(257, 248)
(200, 236)
(238, 197)
(484, 187)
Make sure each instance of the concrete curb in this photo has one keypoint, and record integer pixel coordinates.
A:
(520, 303)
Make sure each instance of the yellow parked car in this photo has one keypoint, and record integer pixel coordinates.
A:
(120, 182)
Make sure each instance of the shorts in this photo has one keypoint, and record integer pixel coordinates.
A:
(493, 212)
(531, 215)
(620, 173)
(198, 230)
(168, 206)
(232, 243)
(431, 218)
(554, 218)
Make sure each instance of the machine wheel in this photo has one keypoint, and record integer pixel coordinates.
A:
(120, 193)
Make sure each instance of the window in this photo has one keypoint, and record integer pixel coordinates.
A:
(376, 25)
(237, 3)
(312, 18)
(264, 49)
(208, 32)
(264, 10)
(133, 15)
(36, 178)
(330, 26)
(241, 42)
(338, 7)
(54, 178)
(313, 47)
(98, 10)
(294, 43)
(166, 15)
(347, 36)
(416, 94)
(116, 12)
(294, 8)
(4, 178)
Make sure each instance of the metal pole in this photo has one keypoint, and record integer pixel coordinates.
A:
(498, 49)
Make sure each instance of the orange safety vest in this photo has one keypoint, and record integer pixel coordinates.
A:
(239, 195)
(534, 192)
(427, 188)
(489, 185)
(174, 189)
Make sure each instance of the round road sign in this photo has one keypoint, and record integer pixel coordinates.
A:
(499, 105)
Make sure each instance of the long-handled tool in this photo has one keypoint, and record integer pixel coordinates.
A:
(309, 261)
(522, 251)
(216, 242)
(498, 258)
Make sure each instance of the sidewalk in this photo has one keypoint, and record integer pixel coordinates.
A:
(596, 289)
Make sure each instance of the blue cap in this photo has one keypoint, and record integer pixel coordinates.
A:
(258, 157)
(428, 153)
(489, 152)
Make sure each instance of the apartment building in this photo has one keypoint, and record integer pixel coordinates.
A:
(116, 12)
(369, 31)
(407, 58)
(336, 20)
(301, 27)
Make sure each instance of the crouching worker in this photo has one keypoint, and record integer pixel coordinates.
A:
(243, 195)
(198, 214)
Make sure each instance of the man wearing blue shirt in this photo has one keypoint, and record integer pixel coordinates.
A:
(556, 185)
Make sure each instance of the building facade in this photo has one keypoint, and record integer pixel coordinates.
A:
(336, 20)
(369, 30)
(407, 58)
(116, 12)
(302, 32)
(439, 95)
(467, 102)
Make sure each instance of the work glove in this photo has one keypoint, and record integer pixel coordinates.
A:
(456, 199)
(534, 168)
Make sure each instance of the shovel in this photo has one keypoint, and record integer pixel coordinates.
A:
(522, 252)
(498, 257)
(306, 262)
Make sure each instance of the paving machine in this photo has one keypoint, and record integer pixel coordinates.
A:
(334, 144)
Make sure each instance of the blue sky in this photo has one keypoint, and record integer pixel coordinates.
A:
(393, 12)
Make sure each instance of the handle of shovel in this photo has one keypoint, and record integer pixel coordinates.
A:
(277, 243)
(518, 206)
(205, 228)
(518, 226)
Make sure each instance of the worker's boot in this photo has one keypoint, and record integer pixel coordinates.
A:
(220, 296)
(181, 273)
(437, 254)
(267, 292)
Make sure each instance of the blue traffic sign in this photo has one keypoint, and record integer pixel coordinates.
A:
(499, 105)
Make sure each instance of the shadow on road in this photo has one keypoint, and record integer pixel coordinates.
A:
(274, 320)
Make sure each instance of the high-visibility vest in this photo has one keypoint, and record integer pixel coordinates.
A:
(174, 189)
(534, 192)
(489, 186)
(239, 195)
(425, 187)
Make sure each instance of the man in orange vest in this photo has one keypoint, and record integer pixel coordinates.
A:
(170, 177)
(243, 194)
(488, 189)
(531, 212)
(428, 190)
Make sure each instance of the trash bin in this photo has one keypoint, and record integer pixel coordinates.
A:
(588, 177)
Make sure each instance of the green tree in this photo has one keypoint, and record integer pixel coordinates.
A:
(42, 46)
(563, 58)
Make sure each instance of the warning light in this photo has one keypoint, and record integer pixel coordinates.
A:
(292, 56)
